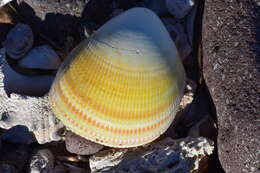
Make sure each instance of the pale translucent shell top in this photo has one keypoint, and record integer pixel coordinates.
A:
(121, 87)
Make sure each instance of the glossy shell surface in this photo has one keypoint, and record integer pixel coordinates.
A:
(123, 85)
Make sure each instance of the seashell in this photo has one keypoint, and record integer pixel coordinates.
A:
(123, 85)
(14, 82)
(18, 41)
(41, 57)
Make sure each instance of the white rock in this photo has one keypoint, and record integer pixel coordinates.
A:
(168, 155)
(78, 145)
(14, 82)
(41, 57)
(19, 41)
(3, 2)
(179, 8)
(179, 36)
(32, 112)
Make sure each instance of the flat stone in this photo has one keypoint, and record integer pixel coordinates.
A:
(168, 155)
(19, 134)
(78, 145)
(230, 43)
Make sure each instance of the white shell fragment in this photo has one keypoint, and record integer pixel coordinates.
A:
(183, 155)
(32, 112)
(179, 8)
(15, 82)
(18, 41)
(41, 57)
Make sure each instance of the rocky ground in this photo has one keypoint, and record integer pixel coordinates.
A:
(33, 140)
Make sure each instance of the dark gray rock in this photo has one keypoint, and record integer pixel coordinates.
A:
(231, 59)
(18, 41)
(19, 134)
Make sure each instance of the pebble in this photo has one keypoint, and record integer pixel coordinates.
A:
(78, 145)
(41, 57)
(18, 134)
(18, 41)
(42, 161)
(14, 82)
(168, 155)
(179, 8)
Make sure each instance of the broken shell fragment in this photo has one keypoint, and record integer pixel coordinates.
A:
(18, 41)
(123, 85)
(41, 57)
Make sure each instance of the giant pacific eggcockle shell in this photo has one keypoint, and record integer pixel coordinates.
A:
(123, 85)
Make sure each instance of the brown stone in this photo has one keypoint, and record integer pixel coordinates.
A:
(231, 54)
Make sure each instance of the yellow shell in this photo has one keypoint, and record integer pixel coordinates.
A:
(121, 87)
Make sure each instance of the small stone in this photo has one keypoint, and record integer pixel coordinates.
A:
(168, 155)
(41, 57)
(42, 162)
(78, 145)
(18, 41)
(31, 85)
(19, 134)
(179, 8)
